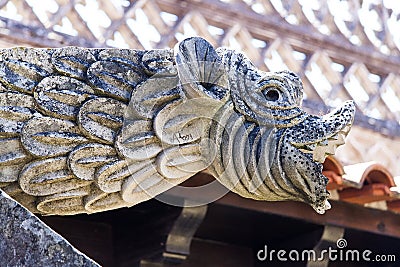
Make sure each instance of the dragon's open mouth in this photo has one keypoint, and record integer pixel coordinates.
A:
(320, 150)
(321, 136)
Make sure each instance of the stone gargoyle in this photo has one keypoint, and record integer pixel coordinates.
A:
(88, 130)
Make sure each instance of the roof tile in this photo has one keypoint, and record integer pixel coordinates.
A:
(363, 183)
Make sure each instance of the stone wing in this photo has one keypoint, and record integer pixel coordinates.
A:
(87, 130)
(60, 113)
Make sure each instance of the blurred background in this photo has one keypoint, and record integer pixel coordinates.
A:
(341, 49)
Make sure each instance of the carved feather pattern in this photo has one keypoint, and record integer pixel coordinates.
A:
(63, 136)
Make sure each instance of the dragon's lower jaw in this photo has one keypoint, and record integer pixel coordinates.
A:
(321, 209)
(320, 150)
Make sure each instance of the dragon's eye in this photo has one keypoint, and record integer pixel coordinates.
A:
(271, 94)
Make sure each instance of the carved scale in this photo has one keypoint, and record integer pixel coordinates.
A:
(89, 130)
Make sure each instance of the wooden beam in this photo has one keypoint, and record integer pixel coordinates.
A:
(342, 214)
(22, 34)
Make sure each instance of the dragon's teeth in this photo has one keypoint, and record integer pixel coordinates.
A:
(346, 129)
(323, 142)
(311, 147)
(334, 137)
(327, 205)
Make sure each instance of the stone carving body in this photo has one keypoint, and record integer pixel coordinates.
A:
(88, 130)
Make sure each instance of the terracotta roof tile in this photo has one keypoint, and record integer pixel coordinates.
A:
(363, 183)
(367, 194)
(333, 170)
(333, 164)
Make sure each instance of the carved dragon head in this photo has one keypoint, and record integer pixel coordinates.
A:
(267, 147)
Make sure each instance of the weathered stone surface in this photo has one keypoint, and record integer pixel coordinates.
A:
(159, 61)
(101, 118)
(22, 68)
(116, 73)
(88, 130)
(26, 241)
(87, 158)
(73, 62)
(49, 137)
(15, 110)
(138, 141)
(63, 203)
(61, 96)
(13, 158)
(49, 176)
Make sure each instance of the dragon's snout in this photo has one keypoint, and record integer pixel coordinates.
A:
(315, 138)
(321, 136)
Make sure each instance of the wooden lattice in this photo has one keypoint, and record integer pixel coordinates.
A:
(341, 49)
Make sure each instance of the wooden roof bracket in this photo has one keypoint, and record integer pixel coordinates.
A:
(177, 247)
(331, 237)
